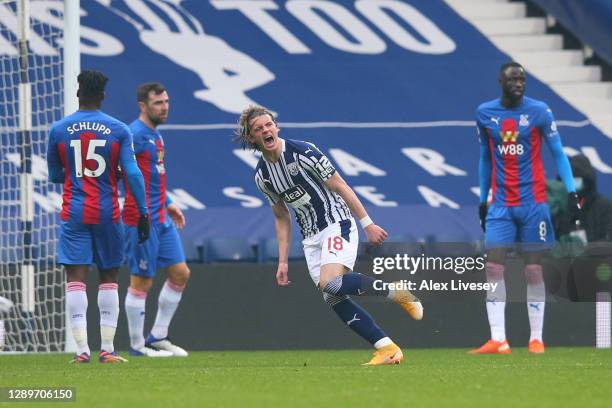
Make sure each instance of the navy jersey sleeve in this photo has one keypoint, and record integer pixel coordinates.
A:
(54, 163)
(315, 162)
(130, 167)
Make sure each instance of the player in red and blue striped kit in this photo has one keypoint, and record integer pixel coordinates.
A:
(511, 131)
(163, 249)
(84, 150)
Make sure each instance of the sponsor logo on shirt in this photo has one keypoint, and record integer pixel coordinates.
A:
(509, 135)
(295, 196)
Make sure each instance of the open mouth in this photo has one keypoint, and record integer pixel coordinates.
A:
(269, 140)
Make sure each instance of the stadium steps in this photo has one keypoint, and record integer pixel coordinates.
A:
(513, 26)
(524, 38)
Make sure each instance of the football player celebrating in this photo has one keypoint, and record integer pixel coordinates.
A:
(296, 174)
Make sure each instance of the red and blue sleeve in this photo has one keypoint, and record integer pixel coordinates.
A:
(484, 163)
(133, 174)
(54, 163)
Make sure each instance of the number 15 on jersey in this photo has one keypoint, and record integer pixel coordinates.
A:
(93, 144)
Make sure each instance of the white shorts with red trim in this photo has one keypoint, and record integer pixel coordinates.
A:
(335, 244)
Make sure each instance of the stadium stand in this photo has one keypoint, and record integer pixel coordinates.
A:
(394, 109)
(228, 250)
(558, 42)
(267, 250)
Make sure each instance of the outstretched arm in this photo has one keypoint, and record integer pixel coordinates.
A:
(376, 235)
(282, 224)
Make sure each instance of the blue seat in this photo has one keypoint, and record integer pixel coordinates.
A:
(228, 250)
(268, 250)
(395, 244)
(451, 246)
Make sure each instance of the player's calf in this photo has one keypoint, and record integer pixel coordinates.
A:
(351, 283)
(169, 299)
(354, 283)
(358, 320)
(536, 297)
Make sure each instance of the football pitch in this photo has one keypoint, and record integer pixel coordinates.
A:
(428, 377)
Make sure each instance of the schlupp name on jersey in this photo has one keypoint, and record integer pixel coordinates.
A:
(93, 126)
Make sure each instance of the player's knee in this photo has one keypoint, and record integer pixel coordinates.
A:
(333, 300)
(141, 284)
(180, 276)
(109, 275)
(330, 272)
(494, 271)
(323, 283)
(76, 273)
(533, 274)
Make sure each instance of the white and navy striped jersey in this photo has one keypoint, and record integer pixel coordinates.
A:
(298, 178)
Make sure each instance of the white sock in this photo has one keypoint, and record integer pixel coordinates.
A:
(536, 300)
(385, 341)
(496, 309)
(108, 303)
(135, 301)
(169, 298)
(76, 304)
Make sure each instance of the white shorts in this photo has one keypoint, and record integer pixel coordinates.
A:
(335, 244)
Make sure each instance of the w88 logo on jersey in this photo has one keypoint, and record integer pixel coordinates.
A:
(511, 149)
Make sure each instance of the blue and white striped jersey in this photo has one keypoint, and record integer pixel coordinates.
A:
(298, 178)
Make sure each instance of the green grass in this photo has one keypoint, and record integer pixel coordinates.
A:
(576, 377)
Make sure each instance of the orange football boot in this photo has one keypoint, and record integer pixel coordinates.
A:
(493, 347)
(387, 355)
(536, 346)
